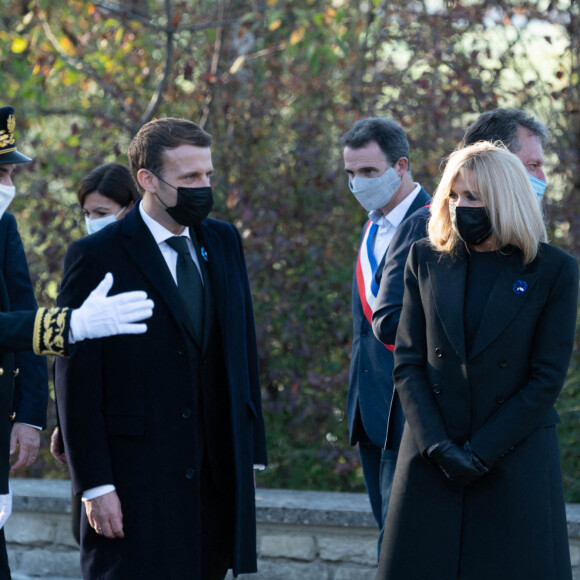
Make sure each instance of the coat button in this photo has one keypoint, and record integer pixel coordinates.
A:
(12, 416)
(1, 371)
(437, 389)
(16, 372)
(365, 370)
(181, 350)
(439, 353)
(190, 473)
(500, 400)
(502, 364)
(186, 413)
(364, 332)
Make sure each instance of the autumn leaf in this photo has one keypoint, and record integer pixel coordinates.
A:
(19, 45)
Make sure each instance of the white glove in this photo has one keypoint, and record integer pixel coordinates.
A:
(5, 508)
(101, 315)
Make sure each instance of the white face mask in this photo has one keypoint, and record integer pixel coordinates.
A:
(375, 192)
(97, 224)
(7, 193)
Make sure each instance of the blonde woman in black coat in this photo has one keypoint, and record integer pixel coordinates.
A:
(483, 347)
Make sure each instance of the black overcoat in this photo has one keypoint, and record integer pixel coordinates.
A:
(31, 382)
(127, 404)
(511, 524)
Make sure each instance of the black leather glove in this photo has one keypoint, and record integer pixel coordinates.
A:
(459, 464)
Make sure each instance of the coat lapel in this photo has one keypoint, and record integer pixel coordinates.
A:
(506, 299)
(143, 249)
(212, 260)
(421, 200)
(447, 277)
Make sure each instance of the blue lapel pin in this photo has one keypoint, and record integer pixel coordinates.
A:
(204, 254)
(520, 287)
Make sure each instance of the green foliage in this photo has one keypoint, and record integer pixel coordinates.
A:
(277, 83)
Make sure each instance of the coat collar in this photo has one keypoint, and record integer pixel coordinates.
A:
(448, 279)
(143, 249)
(421, 200)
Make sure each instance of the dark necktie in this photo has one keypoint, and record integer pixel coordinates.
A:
(189, 283)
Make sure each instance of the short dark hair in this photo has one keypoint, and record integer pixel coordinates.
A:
(387, 133)
(112, 180)
(502, 125)
(147, 147)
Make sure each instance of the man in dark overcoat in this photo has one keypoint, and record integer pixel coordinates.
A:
(162, 433)
(23, 389)
(376, 160)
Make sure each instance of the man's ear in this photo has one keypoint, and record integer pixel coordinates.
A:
(401, 166)
(147, 180)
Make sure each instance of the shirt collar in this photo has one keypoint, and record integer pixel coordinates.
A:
(159, 232)
(397, 214)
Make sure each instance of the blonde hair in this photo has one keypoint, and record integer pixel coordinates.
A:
(504, 187)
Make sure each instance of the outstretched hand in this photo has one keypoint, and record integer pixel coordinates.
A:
(101, 315)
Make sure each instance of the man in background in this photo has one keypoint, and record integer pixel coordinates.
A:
(376, 160)
(525, 137)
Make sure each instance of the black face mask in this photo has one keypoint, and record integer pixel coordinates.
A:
(471, 223)
(193, 204)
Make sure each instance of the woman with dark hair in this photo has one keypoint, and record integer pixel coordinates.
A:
(481, 354)
(106, 194)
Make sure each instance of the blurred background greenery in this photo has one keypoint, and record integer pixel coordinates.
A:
(277, 82)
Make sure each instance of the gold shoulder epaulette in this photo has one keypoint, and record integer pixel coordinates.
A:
(51, 327)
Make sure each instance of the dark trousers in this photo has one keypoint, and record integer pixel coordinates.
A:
(4, 568)
(378, 467)
(77, 508)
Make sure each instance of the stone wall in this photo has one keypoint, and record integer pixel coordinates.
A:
(301, 535)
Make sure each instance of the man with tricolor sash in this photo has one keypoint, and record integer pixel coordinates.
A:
(376, 160)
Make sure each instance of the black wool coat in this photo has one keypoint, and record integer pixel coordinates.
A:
(127, 405)
(511, 524)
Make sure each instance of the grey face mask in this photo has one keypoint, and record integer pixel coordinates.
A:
(375, 192)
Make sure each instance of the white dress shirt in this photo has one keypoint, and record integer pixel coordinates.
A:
(389, 223)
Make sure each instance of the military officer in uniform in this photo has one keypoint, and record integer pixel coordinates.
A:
(26, 332)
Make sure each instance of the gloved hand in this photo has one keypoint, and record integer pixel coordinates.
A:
(459, 464)
(5, 508)
(101, 315)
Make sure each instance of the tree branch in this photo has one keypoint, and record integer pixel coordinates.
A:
(157, 97)
(130, 14)
(74, 63)
(217, 45)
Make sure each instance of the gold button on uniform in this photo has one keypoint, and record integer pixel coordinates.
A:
(1, 371)
(16, 372)
(12, 417)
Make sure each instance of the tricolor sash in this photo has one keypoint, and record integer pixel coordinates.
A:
(366, 268)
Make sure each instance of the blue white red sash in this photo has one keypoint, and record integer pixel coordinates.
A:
(366, 268)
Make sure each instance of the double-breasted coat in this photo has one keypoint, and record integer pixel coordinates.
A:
(511, 524)
(129, 406)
